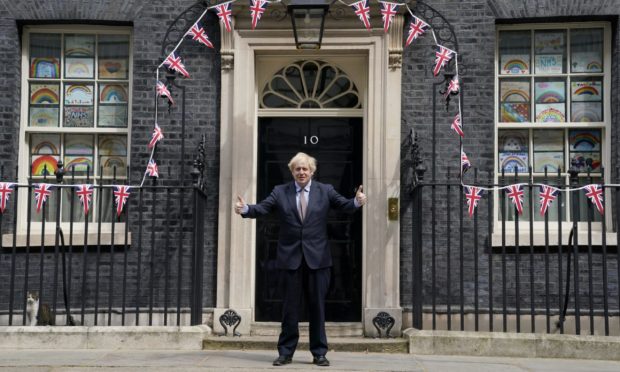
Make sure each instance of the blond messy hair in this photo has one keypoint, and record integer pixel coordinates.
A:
(302, 157)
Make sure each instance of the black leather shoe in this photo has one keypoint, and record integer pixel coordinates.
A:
(282, 360)
(320, 361)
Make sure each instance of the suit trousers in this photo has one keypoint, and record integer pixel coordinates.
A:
(315, 284)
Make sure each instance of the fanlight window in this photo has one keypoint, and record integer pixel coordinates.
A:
(310, 85)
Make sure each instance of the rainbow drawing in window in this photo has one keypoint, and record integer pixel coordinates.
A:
(112, 93)
(550, 92)
(79, 67)
(44, 165)
(45, 67)
(550, 113)
(44, 94)
(515, 64)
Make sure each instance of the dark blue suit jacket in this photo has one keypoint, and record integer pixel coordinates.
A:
(309, 236)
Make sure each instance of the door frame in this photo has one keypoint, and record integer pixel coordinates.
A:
(241, 50)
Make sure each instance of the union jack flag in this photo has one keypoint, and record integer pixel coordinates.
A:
(595, 194)
(225, 14)
(152, 169)
(121, 194)
(465, 163)
(417, 27)
(456, 125)
(363, 12)
(516, 195)
(85, 193)
(162, 91)
(174, 63)
(473, 195)
(198, 33)
(41, 192)
(388, 11)
(156, 137)
(257, 8)
(5, 191)
(547, 196)
(453, 86)
(442, 56)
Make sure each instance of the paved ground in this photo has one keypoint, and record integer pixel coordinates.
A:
(208, 360)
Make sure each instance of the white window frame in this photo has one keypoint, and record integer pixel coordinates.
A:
(605, 127)
(25, 130)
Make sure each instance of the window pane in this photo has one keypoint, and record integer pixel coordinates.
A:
(514, 52)
(559, 202)
(550, 51)
(49, 208)
(113, 155)
(550, 95)
(112, 105)
(108, 205)
(515, 100)
(79, 56)
(585, 149)
(513, 151)
(45, 56)
(69, 198)
(586, 209)
(113, 56)
(509, 207)
(44, 154)
(79, 101)
(586, 50)
(548, 150)
(587, 99)
(79, 152)
(44, 105)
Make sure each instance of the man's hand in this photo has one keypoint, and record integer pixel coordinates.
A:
(360, 196)
(239, 205)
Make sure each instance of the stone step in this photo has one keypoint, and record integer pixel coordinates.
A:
(349, 344)
(332, 329)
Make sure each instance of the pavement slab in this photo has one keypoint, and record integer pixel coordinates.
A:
(260, 360)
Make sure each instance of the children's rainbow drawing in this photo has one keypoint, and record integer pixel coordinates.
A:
(515, 67)
(583, 91)
(509, 160)
(587, 112)
(45, 67)
(550, 113)
(79, 68)
(109, 162)
(112, 145)
(550, 92)
(594, 66)
(515, 113)
(78, 145)
(44, 165)
(516, 95)
(78, 94)
(79, 163)
(585, 140)
(45, 147)
(44, 94)
(552, 160)
(43, 117)
(112, 93)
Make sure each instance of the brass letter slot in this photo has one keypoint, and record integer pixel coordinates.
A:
(393, 209)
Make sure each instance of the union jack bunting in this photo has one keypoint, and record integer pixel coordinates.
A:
(152, 169)
(388, 11)
(174, 63)
(5, 191)
(456, 125)
(257, 8)
(85, 193)
(442, 56)
(453, 87)
(363, 12)
(465, 163)
(121, 194)
(473, 195)
(198, 33)
(162, 91)
(225, 14)
(547, 196)
(595, 194)
(156, 137)
(516, 195)
(41, 192)
(417, 27)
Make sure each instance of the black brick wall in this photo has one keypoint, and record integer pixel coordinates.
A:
(474, 23)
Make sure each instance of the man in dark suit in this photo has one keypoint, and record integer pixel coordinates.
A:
(303, 252)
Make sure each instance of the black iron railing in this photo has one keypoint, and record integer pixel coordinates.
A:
(140, 267)
(553, 273)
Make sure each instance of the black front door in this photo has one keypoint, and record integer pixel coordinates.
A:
(336, 143)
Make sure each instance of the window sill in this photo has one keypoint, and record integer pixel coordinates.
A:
(539, 238)
(77, 240)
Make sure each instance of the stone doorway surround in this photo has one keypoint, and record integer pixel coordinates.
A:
(344, 38)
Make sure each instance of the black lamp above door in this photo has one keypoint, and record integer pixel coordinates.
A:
(308, 17)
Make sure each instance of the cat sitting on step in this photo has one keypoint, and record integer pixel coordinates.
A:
(37, 314)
